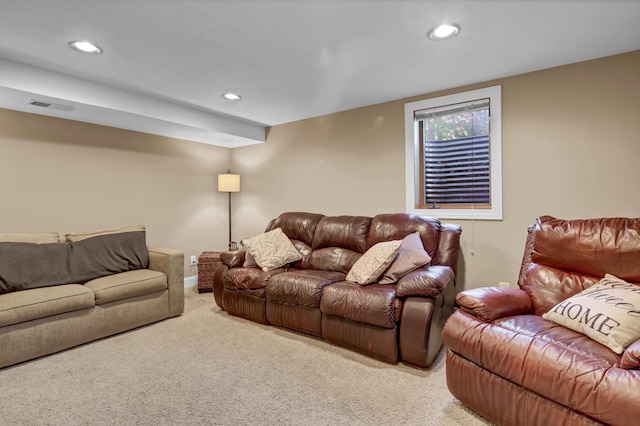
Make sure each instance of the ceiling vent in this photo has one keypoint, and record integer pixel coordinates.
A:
(50, 105)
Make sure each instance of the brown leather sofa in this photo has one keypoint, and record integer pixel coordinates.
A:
(508, 363)
(390, 322)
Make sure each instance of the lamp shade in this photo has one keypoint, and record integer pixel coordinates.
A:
(228, 182)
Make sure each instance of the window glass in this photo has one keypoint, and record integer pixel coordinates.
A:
(453, 155)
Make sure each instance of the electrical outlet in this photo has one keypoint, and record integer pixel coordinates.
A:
(504, 284)
(193, 260)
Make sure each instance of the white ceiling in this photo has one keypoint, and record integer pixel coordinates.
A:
(166, 62)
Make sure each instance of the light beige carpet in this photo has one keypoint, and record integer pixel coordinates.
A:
(209, 368)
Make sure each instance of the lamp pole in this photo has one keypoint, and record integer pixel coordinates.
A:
(232, 245)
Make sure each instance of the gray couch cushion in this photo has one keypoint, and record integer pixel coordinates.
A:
(27, 305)
(29, 265)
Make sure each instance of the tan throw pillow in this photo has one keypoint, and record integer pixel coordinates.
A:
(37, 238)
(272, 249)
(411, 256)
(374, 262)
(607, 312)
(79, 236)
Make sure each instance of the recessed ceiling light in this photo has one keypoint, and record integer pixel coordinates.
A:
(443, 32)
(85, 47)
(230, 96)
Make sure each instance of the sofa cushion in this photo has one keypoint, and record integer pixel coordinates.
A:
(30, 265)
(272, 249)
(248, 278)
(631, 357)
(592, 247)
(548, 359)
(27, 305)
(374, 262)
(79, 236)
(305, 251)
(126, 285)
(334, 259)
(564, 257)
(374, 304)
(38, 238)
(411, 256)
(348, 232)
(297, 225)
(300, 288)
(395, 226)
(608, 312)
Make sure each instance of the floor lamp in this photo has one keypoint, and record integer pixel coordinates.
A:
(229, 182)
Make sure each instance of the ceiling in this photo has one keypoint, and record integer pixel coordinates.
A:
(166, 62)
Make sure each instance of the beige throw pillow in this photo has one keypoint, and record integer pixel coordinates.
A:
(272, 249)
(411, 256)
(607, 312)
(374, 262)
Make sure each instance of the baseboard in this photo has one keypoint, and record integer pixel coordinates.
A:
(191, 281)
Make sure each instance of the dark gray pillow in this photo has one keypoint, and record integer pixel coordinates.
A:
(28, 265)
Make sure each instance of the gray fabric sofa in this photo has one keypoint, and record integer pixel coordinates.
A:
(40, 314)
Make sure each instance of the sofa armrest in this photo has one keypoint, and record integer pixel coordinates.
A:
(171, 263)
(233, 259)
(631, 357)
(426, 282)
(491, 303)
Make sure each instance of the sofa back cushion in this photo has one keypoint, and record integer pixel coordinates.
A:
(78, 236)
(564, 257)
(37, 238)
(396, 226)
(297, 225)
(335, 259)
(29, 265)
(338, 243)
(347, 232)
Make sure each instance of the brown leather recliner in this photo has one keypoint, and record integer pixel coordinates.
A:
(390, 322)
(516, 368)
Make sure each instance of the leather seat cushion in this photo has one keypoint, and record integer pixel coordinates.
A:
(550, 360)
(373, 304)
(300, 288)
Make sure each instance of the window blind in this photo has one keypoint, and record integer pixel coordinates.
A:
(457, 172)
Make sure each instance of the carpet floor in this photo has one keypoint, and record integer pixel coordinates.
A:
(209, 368)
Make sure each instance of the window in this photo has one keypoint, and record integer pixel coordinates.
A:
(453, 156)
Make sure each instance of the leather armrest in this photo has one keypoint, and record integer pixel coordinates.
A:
(427, 282)
(631, 357)
(491, 303)
(233, 259)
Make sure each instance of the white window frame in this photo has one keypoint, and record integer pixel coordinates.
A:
(413, 158)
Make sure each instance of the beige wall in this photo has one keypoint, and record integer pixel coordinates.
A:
(571, 147)
(61, 175)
